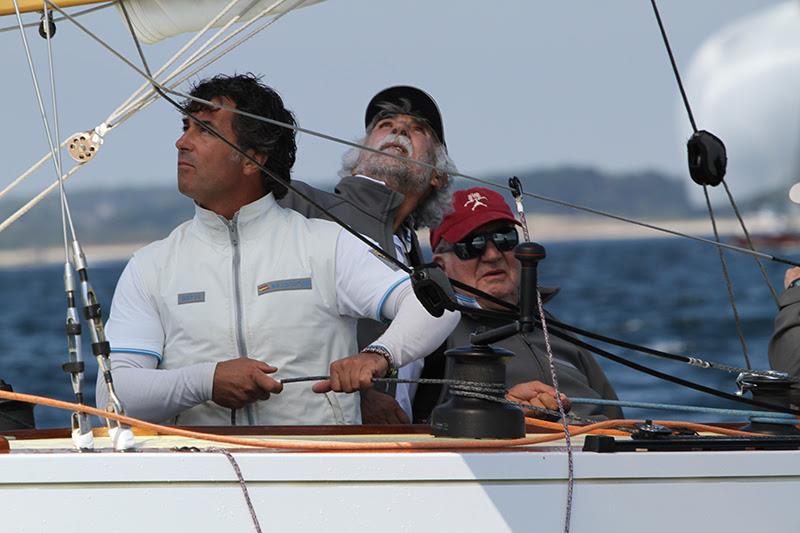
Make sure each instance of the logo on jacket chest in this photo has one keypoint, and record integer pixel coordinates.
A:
(191, 297)
(295, 284)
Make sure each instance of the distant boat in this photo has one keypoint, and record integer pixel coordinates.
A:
(786, 241)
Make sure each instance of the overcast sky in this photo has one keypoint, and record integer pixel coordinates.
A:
(520, 83)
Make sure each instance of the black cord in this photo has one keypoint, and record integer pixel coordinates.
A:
(671, 379)
(674, 66)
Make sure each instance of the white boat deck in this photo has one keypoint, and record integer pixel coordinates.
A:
(46, 486)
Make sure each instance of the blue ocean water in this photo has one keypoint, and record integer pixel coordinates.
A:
(668, 294)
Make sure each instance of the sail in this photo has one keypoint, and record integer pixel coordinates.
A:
(25, 6)
(744, 85)
(154, 20)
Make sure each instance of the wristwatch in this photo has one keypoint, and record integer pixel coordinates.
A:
(795, 283)
(386, 354)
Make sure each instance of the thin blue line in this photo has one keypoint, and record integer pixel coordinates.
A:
(689, 408)
(138, 351)
(386, 295)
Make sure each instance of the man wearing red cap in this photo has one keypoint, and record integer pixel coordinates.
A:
(475, 244)
(387, 199)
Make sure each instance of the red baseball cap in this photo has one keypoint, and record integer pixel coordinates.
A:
(472, 208)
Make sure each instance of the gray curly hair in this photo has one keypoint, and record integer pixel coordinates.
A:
(438, 203)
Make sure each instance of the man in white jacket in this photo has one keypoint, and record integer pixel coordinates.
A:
(206, 322)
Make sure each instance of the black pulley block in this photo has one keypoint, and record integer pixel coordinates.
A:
(433, 289)
(708, 159)
(51, 26)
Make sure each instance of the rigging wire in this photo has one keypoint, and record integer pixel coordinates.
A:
(674, 66)
(36, 87)
(66, 218)
(750, 243)
(728, 284)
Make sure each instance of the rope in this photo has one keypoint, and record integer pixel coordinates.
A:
(316, 445)
(242, 484)
(554, 377)
(468, 389)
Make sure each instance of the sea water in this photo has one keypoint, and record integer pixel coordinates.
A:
(667, 294)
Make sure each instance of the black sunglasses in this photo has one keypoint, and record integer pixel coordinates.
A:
(474, 245)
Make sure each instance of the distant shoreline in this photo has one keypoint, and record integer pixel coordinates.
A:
(544, 228)
(52, 255)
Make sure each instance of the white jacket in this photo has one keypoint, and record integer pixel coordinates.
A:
(261, 285)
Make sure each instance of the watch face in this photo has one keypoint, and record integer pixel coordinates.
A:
(794, 283)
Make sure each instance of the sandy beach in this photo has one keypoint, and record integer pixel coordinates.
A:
(544, 228)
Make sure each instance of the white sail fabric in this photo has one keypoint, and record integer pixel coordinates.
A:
(744, 86)
(154, 20)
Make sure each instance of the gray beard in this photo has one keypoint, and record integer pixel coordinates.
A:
(397, 175)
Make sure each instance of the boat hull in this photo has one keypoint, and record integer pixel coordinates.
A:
(493, 490)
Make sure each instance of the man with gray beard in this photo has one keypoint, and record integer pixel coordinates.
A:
(387, 199)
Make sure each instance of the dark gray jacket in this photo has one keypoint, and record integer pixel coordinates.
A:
(784, 346)
(578, 373)
(368, 207)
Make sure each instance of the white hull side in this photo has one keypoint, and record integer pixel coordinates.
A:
(489, 491)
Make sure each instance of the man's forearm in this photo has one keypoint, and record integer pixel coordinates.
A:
(414, 333)
(156, 395)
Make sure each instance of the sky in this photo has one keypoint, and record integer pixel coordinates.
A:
(521, 84)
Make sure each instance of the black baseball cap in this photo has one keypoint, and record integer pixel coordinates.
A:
(422, 106)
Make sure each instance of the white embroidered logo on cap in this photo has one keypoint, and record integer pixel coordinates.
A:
(476, 199)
